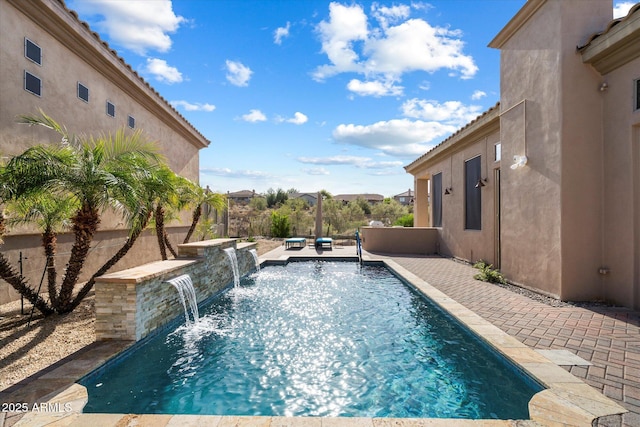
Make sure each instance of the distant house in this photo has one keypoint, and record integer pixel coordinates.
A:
(242, 197)
(406, 198)
(370, 198)
(310, 198)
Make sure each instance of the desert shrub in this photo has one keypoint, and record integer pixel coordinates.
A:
(488, 273)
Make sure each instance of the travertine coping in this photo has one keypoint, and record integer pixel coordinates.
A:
(145, 272)
(567, 401)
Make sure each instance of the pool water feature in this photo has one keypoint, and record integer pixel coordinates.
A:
(316, 339)
(233, 259)
(187, 292)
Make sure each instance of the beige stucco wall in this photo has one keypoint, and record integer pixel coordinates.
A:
(72, 54)
(621, 195)
(400, 240)
(551, 220)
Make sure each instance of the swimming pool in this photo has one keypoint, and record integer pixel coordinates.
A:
(316, 339)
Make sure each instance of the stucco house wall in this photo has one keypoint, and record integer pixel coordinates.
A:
(72, 53)
(569, 219)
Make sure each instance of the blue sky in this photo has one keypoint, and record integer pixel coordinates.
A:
(311, 94)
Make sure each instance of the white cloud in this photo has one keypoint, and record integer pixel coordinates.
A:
(346, 25)
(188, 106)
(162, 71)
(452, 113)
(238, 74)
(478, 94)
(316, 171)
(254, 116)
(400, 137)
(136, 25)
(357, 161)
(280, 33)
(374, 88)
(229, 173)
(622, 8)
(384, 53)
(298, 119)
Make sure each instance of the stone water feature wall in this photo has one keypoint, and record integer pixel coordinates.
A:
(132, 303)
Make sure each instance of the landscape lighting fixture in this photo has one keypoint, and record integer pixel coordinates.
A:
(518, 162)
(481, 183)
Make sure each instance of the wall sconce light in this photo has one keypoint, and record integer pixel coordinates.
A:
(603, 86)
(481, 183)
(448, 190)
(519, 161)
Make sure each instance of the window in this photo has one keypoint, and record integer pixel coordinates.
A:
(32, 84)
(132, 122)
(436, 191)
(83, 92)
(32, 51)
(111, 109)
(472, 194)
(497, 152)
(637, 83)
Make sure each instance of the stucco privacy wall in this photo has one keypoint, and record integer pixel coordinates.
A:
(72, 54)
(131, 304)
(400, 240)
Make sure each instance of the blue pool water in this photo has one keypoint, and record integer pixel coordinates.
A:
(315, 339)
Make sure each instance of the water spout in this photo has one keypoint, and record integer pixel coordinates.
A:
(231, 253)
(255, 258)
(187, 293)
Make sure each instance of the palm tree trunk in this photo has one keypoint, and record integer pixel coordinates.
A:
(169, 245)
(197, 213)
(160, 231)
(85, 224)
(49, 244)
(18, 282)
(110, 263)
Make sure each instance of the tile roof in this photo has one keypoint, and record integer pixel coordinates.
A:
(609, 27)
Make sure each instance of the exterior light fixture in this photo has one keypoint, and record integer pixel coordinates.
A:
(603, 86)
(481, 183)
(518, 162)
(448, 190)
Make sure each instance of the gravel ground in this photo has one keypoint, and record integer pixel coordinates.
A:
(25, 350)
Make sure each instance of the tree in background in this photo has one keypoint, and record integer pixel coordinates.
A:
(280, 226)
(276, 198)
(388, 211)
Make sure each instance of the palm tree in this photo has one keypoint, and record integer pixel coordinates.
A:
(198, 197)
(98, 173)
(167, 198)
(51, 214)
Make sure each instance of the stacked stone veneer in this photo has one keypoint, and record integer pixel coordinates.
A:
(131, 304)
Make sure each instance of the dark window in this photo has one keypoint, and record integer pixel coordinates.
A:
(32, 51)
(32, 84)
(83, 92)
(436, 196)
(638, 94)
(111, 109)
(132, 122)
(472, 194)
(497, 152)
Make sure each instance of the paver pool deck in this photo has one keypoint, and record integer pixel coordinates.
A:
(607, 338)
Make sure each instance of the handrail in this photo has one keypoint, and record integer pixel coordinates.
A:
(358, 246)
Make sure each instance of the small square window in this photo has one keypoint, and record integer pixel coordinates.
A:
(83, 92)
(132, 122)
(497, 152)
(111, 109)
(32, 84)
(32, 51)
(637, 82)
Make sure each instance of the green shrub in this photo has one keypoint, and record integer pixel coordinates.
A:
(405, 220)
(280, 225)
(488, 273)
